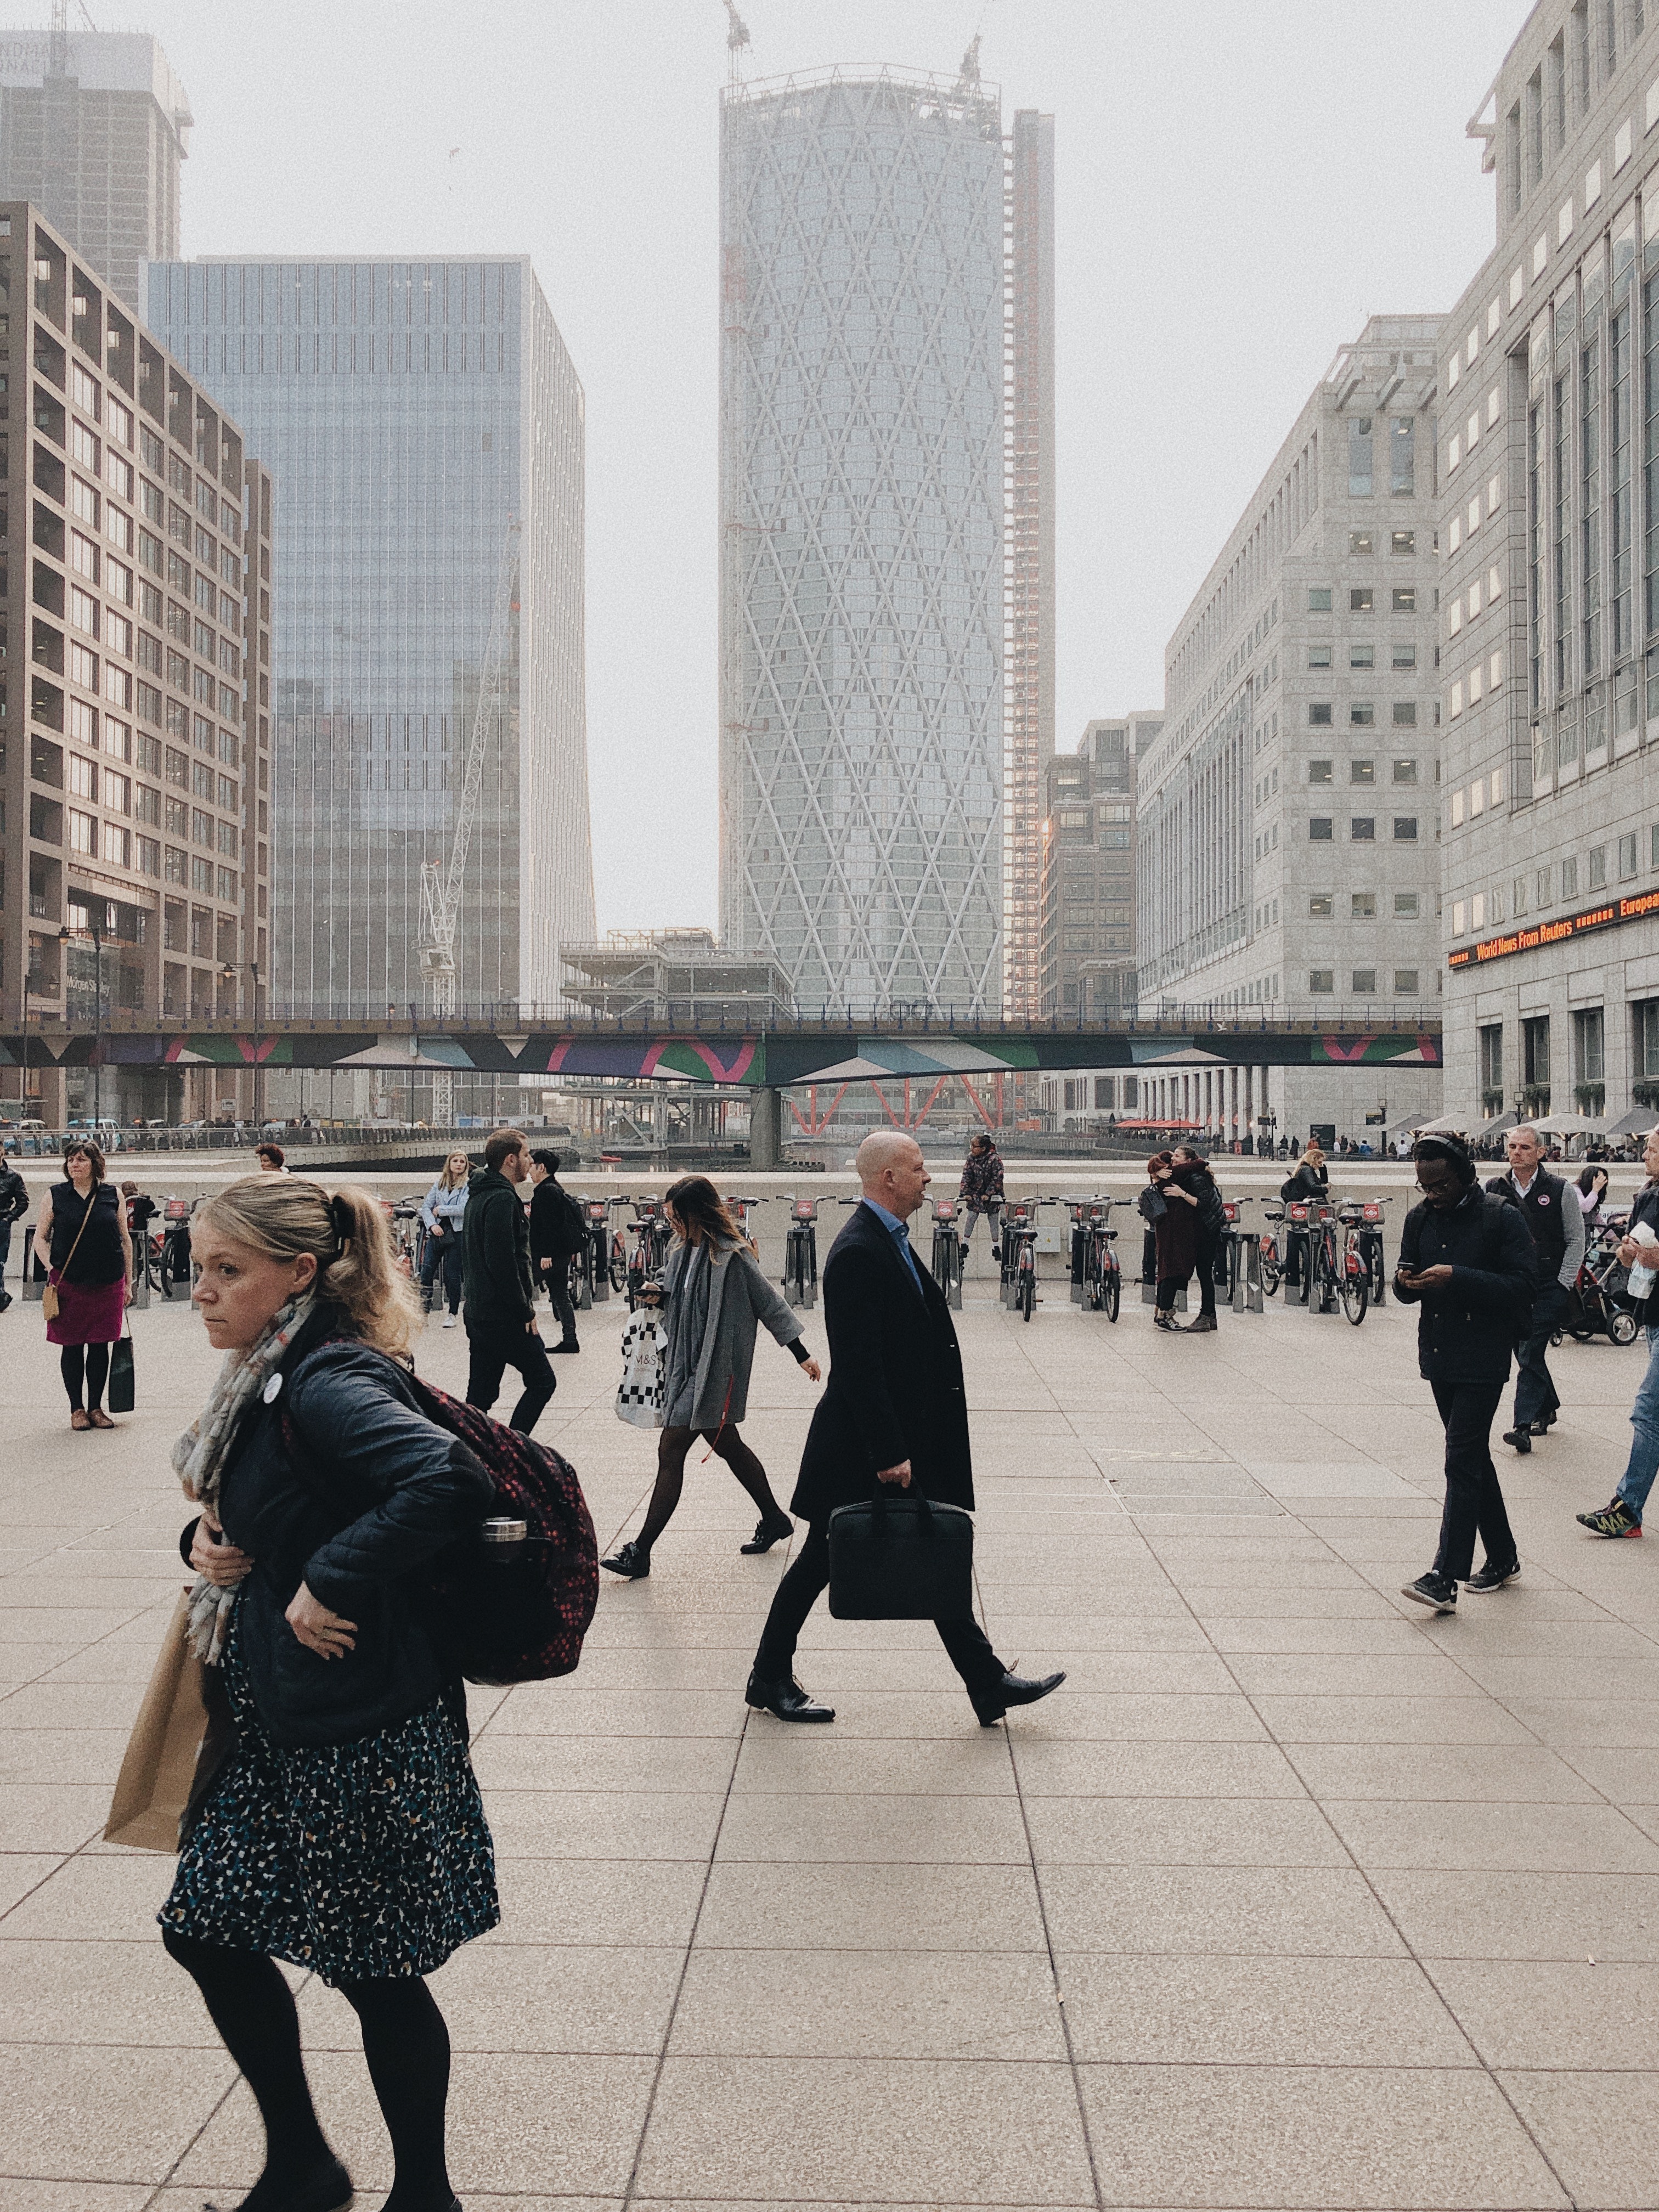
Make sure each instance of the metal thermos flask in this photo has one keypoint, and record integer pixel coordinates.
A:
(504, 1539)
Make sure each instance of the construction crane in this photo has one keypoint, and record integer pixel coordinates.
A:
(440, 889)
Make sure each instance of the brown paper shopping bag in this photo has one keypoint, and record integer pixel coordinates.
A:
(177, 1742)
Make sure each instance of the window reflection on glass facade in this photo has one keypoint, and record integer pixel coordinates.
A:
(862, 538)
(410, 411)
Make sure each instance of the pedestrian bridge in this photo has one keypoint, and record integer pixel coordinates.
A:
(829, 1050)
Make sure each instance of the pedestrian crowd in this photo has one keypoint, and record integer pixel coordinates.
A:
(334, 1823)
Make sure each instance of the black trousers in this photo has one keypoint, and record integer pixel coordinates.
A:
(1534, 1388)
(557, 1282)
(1474, 1500)
(798, 1592)
(1208, 1247)
(490, 1358)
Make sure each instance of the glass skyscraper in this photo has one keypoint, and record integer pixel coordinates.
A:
(409, 413)
(861, 543)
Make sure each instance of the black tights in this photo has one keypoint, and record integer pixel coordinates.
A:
(88, 1361)
(672, 1447)
(404, 2041)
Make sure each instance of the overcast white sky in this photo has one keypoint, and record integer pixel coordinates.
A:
(1240, 183)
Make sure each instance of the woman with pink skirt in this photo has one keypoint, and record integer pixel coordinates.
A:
(84, 1229)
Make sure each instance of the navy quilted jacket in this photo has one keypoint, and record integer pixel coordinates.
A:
(370, 1490)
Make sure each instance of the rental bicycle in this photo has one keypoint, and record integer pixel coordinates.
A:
(1269, 1258)
(1341, 1271)
(1019, 1234)
(800, 1251)
(1102, 1278)
(652, 1236)
(599, 1264)
(948, 1256)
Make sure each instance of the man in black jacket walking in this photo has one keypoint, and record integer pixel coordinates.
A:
(556, 1232)
(1549, 1206)
(1467, 1260)
(500, 1289)
(893, 1411)
(13, 1205)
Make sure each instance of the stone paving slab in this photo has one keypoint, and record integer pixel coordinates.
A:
(1294, 1896)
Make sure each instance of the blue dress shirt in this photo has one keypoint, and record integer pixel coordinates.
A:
(900, 1233)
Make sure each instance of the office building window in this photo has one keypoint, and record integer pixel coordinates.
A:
(1491, 1045)
(1518, 895)
(1360, 544)
(1320, 829)
(1322, 906)
(1360, 599)
(1321, 982)
(1319, 656)
(1359, 457)
(1644, 1026)
(1402, 459)
(1405, 598)
(1588, 1060)
(1364, 982)
(1598, 868)
(1363, 906)
(1320, 771)
(1319, 599)
(1402, 541)
(1404, 829)
(1535, 1051)
(1627, 856)
(1405, 982)
(1362, 771)
(1406, 906)
(1405, 714)
(1362, 828)
(1405, 771)
(1319, 714)
(1403, 656)
(1362, 656)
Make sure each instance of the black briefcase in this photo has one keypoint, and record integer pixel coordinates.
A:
(898, 1556)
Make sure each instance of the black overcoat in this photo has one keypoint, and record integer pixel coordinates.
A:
(895, 1390)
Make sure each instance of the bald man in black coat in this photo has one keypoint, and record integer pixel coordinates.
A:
(893, 1411)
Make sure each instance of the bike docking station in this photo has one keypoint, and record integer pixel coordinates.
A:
(34, 1277)
(1238, 1272)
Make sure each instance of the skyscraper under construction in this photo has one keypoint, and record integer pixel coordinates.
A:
(863, 490)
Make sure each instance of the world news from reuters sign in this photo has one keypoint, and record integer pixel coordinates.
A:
(1612, 916)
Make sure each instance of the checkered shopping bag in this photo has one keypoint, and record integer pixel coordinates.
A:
(639, 1392)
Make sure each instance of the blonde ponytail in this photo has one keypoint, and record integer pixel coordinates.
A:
(357, 1271)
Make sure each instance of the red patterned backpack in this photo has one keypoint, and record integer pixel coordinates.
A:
(523, 1623)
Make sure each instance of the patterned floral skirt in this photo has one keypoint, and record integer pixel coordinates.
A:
(360, 1861)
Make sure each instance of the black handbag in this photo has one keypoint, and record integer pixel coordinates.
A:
(901, 1558)
(123, 1385)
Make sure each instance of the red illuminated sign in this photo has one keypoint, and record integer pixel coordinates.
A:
(1612, 916)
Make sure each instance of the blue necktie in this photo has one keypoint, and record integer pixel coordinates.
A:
(902, 1235)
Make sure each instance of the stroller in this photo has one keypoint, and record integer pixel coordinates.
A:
(1596, 1303)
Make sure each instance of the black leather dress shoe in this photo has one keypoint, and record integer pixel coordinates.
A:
(768, 1533)
(1521, 1438)
(630, 1562)
(784, 1698)
(1013, 1690)
(329, 2190)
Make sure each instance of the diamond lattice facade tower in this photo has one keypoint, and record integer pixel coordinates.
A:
(1031, 634)
(862, 603)
(410, 413)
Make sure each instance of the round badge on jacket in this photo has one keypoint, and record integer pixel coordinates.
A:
(273, 1389)
(1543, 1198)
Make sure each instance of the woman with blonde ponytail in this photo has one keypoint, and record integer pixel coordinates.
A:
(344, 1834)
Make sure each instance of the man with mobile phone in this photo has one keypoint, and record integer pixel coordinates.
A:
(1468, 1261)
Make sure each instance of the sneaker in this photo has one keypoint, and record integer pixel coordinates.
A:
(1543, 1424)
(1521, 1438)
(1614, 1520)
(1491, 1577)
(450, 1320)
(996, 1251)
(1437, 1592)
(5, 1300)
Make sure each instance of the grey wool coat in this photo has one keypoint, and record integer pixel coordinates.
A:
(740, 1299)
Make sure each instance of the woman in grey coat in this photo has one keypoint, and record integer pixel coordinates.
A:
(713, 1296)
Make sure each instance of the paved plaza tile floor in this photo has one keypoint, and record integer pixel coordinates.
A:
(1293, 1895)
